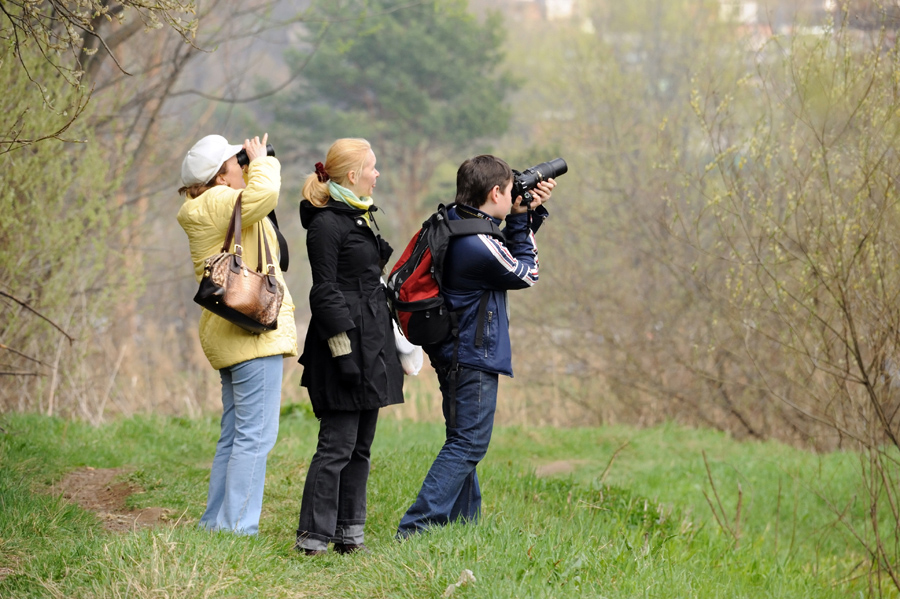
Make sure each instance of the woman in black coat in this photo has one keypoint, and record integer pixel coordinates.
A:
(350, 363)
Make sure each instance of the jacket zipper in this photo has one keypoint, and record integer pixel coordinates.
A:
(487, 332)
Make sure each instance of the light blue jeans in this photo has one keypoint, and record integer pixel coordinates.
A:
(251, 402)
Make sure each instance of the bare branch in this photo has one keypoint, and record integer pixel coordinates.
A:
(12, 373)
(613, 459)
(29, 308)
(18, 353)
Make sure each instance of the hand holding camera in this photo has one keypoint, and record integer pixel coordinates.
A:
(537, 196)
(533, 186)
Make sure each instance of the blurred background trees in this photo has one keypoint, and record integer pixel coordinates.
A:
(71, 40)
(423, 83)
(98, 91)
(722, 251)
(672, 115)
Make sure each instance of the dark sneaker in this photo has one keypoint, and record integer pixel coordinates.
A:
(344, 549)
(305, 551)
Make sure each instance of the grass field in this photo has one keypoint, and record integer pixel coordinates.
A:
(611, 512)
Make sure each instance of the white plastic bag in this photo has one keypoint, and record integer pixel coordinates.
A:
(411, 356)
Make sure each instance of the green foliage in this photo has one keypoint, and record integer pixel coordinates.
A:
(416, 75)
(421, 81)
(58, 248)
(61, 29)
(60, 40)
(728, 257)
(795, 214)
(803, 206)
(539, 537)
(620, 317)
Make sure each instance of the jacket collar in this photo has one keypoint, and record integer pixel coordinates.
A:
(308, 211)
(463, 211)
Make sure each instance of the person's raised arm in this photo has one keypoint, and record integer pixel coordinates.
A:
(263, 182)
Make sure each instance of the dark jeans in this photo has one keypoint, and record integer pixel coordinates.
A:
(334, 496)
(450, 491)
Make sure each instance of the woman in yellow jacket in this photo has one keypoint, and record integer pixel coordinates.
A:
(250, 365)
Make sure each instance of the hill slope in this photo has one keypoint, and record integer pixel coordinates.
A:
(612, 512)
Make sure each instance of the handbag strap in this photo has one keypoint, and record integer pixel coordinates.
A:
(234, 232)
(259, 242)
(263, 242)
(234, 229)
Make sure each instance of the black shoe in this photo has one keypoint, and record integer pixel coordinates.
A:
(306, 551)
(344, 549)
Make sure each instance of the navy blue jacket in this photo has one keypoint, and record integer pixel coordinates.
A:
(479, 264)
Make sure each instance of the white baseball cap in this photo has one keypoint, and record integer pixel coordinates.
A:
(205, 159)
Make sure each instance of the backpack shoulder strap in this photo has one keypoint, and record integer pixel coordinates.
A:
(474, 226)
(469, 226)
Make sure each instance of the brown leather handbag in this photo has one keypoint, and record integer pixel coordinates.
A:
(249, 299)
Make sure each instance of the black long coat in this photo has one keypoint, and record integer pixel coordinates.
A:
(346, 257)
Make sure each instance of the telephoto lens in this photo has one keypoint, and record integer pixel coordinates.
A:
(244, 160)
(528, 179)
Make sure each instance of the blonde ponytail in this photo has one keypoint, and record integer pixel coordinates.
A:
(315, 191)
(344, 155)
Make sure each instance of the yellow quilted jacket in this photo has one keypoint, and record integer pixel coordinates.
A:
(205, 220)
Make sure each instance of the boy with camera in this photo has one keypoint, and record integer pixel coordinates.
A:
(478, 272)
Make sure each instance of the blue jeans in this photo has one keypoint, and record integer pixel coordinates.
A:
(450, 491)
(251, 401)
(334, 495)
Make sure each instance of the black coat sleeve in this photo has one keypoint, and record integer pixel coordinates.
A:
(330, 311)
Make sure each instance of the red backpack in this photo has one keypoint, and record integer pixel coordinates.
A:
(414, 285)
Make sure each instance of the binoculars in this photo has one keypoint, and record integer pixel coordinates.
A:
(244, 160)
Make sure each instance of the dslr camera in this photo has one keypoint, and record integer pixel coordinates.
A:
(528, 179)
(244, 160)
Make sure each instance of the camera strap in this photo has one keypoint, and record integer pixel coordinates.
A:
(283, 256)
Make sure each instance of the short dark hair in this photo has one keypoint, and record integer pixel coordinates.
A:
(477, 176)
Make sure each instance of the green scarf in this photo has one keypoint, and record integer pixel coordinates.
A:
(342, 194)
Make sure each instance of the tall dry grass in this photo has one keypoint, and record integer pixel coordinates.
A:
(162, 370)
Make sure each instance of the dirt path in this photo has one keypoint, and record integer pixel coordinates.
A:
(98, 491)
